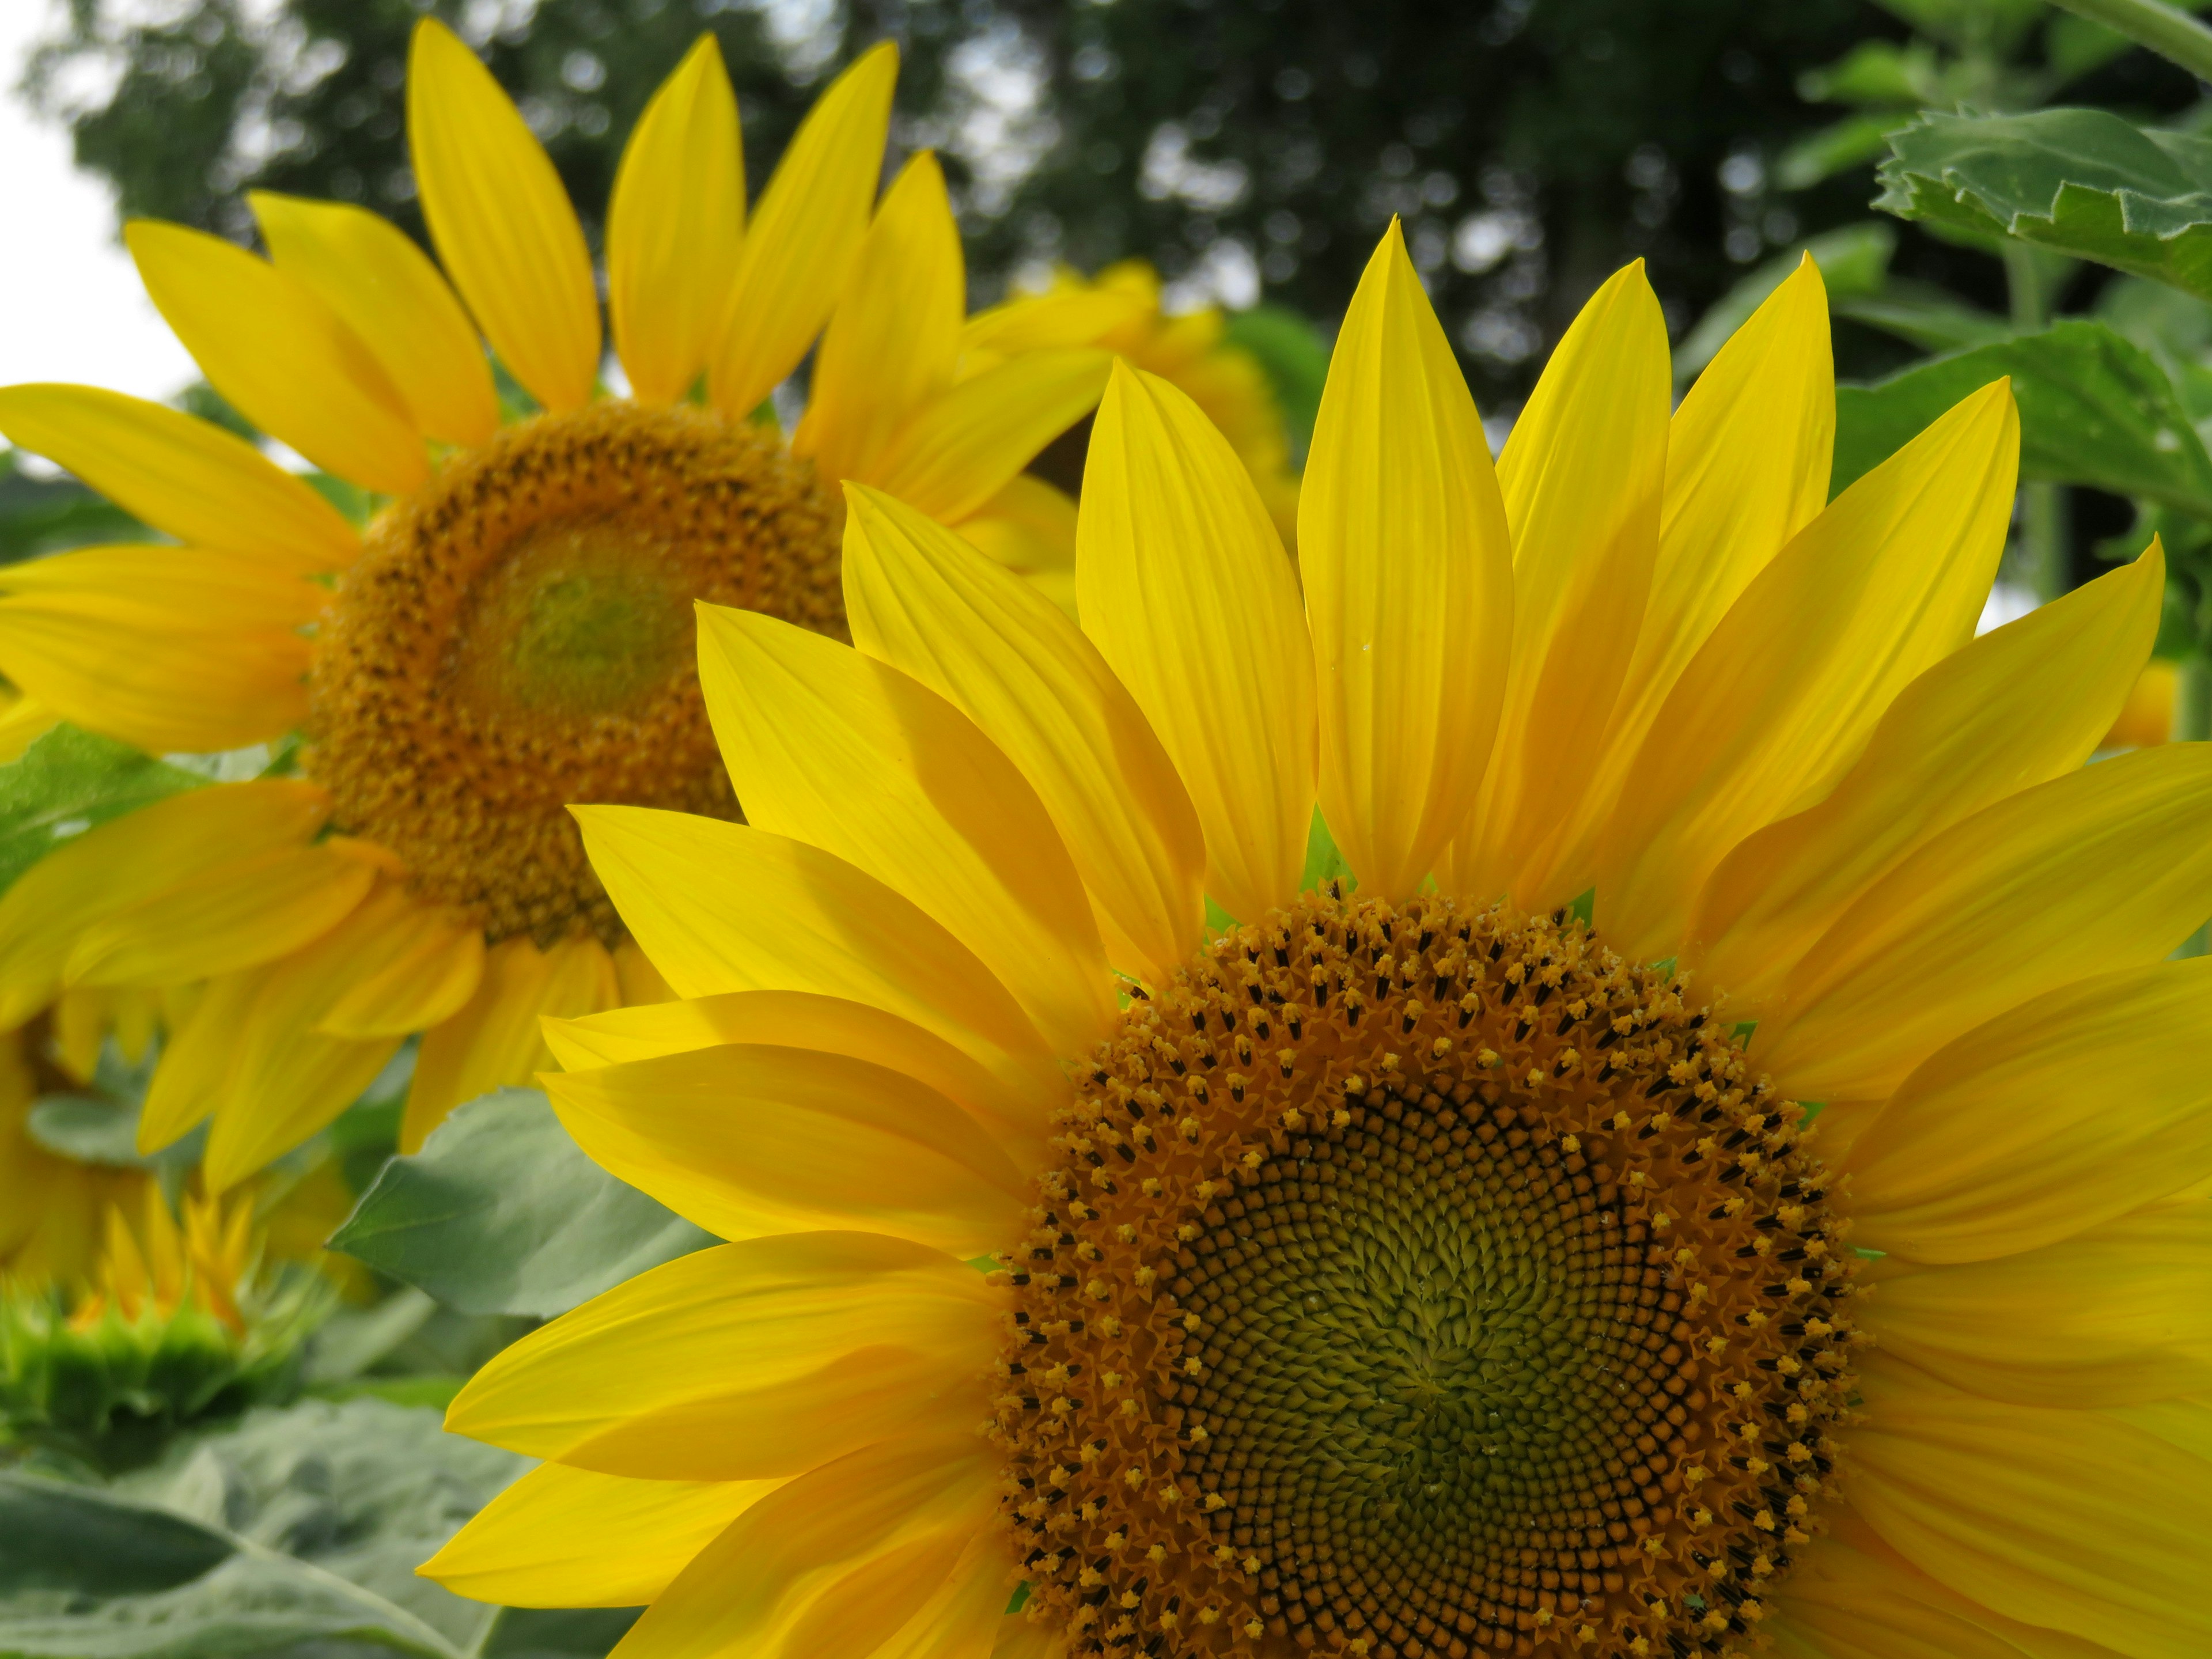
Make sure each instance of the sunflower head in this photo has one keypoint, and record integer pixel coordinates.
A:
(1438, 1251)
(179, 1322)
(511, 628)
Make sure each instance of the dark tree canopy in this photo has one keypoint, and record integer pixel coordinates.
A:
(1257, 146)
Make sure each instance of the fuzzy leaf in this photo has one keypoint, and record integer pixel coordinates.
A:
(501, 1212)
(2082, 182)
(67, 781)
(2094, 409)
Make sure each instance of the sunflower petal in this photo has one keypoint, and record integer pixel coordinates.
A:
(1582, 571)
(921, 599)
(801, 1020)
(286, 1079)
(2097, 871)
(249, 911)
(1186, 591)
(2068, 1519)
(723, 907)
(385, 288)
(802, 241)
(892, 343)
(746, 1362)
(963, 449)
(859, 760)
(675, 227)
(494, 1041)
(2117, 1315)
(1851, 1596)
(501, 220)
(135, 858)
(1976, 727)
(561, 1537)
(168, 648)
(913, 1504)
(748, 1140)
(187, 477)
(2005, 1139)
(287, 360)
(1409, 572)
(1883, 585)
(417, 968)
(188, 1079)
(1748, 456)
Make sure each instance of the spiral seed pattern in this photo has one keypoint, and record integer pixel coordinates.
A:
(1420, 1281)
(517, 636)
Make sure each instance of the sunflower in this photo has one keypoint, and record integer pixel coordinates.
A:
(1119, 310)
(513, 630)
(1408, 1267)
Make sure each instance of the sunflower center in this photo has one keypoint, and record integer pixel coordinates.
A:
(518, 636)
(1420, 1280)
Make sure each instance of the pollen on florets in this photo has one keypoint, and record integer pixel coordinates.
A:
(517, 636)
(1420, 1280)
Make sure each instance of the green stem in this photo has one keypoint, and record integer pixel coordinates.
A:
(2169, 31)
(2192, 701)
(2043, 532)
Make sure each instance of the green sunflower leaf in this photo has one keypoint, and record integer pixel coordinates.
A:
(291, 1531)
(2094, 409)
(69, 781)
(501, 1212)
(2082, 182)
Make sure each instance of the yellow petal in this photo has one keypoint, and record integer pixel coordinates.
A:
(1851, 1596)
(501, 220)
(247, 911)
(747, 1362)
(561, 1537)
(1747, 457)
(189, 478)
(1186, 591)
(416, 969)
(913, 1504)
(2068, 1519)
(748, 1140)
(891, 342)
(2117, 1316)
(640, 982)
(1408, 582)
(801, 243)
(1883, 585)
(168, 648)
(801, 1020)
(921, 599)
(385, 288)
(675, 224)
(1976, 727)
(1028, 526)
(2007, 1139)
(494, 1041)
(284, 359)
(724, 907)
(962, 448)
(287, 1080)
(858, 759)
(131, 859)
(195, 1064)
(1583, 476)
(2096, 871)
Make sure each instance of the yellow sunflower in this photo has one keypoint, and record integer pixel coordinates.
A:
(513, 631)
(1411, 1268)
(1119, 310)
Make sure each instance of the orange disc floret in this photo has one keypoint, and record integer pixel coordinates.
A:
(1420, 1280)
(517, 636)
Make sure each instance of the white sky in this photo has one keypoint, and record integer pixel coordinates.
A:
(73, 307)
